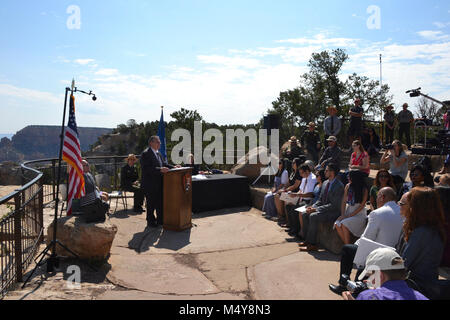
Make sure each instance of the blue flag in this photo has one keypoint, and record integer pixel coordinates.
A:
(162, 136)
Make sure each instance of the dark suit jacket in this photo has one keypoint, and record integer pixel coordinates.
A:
(331, 204)
(151, 176)
(128, 175)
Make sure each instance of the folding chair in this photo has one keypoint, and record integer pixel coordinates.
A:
(118, 194)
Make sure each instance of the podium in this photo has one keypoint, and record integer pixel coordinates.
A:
(177, 199)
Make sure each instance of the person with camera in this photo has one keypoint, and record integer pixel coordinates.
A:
(396, 156)
(387, 278)
(384, 226)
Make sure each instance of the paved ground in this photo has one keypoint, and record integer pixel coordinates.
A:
(228, 254)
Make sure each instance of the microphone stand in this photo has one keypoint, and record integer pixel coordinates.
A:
(53, 260)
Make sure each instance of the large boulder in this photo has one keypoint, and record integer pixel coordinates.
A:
(250, 165)
(91, 241)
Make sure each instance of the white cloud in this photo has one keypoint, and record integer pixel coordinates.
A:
(84, 62)
(433, 35)
(238, 86)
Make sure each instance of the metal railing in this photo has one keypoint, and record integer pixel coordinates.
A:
(21, 229)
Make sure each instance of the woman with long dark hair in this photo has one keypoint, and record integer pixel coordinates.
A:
(294, 183)
(424, 236)
(420, 177)
(382, 180)
(359, 159)
(398, 163)
(281, 181)
(353, 209)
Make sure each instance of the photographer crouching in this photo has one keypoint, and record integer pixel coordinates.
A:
(387, 279)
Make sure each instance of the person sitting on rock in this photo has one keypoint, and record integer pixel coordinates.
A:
(93, 204)
(293, 150)
(332, 154)
(129, 182)
(310, 140)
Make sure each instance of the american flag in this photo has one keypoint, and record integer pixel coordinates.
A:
(72, 155)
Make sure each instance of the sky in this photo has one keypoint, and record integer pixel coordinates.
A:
(226, 59)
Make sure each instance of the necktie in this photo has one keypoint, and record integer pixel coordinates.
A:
(325, 195)
(159, 158)
(332, 124)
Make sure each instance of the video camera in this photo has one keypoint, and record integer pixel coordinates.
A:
(355, 288)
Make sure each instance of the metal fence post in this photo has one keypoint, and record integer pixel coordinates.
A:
(18, 236)
(41, 211)
(54, 178)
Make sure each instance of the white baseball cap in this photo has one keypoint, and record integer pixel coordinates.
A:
(382, 259)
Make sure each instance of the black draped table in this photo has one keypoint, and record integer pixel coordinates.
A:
(220, 191)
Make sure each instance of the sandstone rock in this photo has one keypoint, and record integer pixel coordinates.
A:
(250, 165)
(91, 241)
(328, 237)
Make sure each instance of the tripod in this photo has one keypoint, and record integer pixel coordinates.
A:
(53, 260)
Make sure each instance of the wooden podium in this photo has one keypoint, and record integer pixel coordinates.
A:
(177, 200)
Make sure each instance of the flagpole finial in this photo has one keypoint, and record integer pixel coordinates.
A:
(162, 107)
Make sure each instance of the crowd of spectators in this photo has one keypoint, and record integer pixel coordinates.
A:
(408, 221)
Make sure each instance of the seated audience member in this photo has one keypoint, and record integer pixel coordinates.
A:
(293, 150)
(419, 177)
(129, 182)
(444, 180)
(281, 181)
(387, 277)
(305, 196)
(327, 208)
(191, 163)
(398, 163)
(422, 244)
(310, 140)
(332, 154)
(446, 167)
(444, 194)
(332, 124)
(294, 183)
(93, 204)
(382, 180)
(359, 159)
(384, 225)
(353, 208)
(320, 176)
(373, 143)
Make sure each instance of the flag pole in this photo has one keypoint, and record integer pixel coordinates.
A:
(53, 260)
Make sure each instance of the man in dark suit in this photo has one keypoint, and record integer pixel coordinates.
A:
(153, 167)
(327, 208)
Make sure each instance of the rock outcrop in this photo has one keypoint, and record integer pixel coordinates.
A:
(37, 142)
(91, 241)
(251, 166)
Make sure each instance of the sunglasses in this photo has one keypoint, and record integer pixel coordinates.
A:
(384, 176)
(401, 203)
